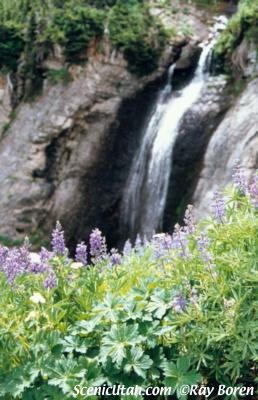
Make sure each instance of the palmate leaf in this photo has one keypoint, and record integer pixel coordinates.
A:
(66, 372)
(137, 362)
(160, 303)
(75, 343)
(178, 375)
(44, 392)
(108, 309)
(19, 380)
(115, 342)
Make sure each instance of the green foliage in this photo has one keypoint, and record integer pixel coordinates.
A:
(11, 44)
(76, 26)
(60, 75)
(119, 325)
(30, 29)
(141, 37)
(244, 24)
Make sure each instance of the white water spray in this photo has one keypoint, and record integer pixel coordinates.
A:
(147, 187)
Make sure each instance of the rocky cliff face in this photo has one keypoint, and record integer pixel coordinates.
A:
(66, 155)
(57, 153)
(236, 138)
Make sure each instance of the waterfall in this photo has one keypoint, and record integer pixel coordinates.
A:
(147, 186)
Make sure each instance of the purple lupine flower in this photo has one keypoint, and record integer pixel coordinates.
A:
(189, 220)
(81, 253)
(36, 268)
(138, 245)
(115, 257)
(128, 248)
(58, 241)
(24, 255)
(3, 255)
(239, 178)
(179, 303)
(45, 255)
(162, 243)
(219, 208)
(180, 242)
(51, 281)
(98, 248)
(203, 245)
(13, 265)
(253, 190)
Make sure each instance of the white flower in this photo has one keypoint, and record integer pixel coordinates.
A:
(35, 258)
(37, 298)
(76, 265)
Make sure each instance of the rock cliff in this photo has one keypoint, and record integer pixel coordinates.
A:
(236, 138)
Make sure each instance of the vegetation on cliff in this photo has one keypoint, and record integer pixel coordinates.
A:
(178, 310)
(30, 29)
(243, 25)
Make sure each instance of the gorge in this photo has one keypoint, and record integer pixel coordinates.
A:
(103, 149)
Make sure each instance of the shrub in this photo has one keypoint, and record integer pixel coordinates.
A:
(242, 25)
(179, 309)
(60, 75)
(77, 25)
(134, 30)
(11, 44)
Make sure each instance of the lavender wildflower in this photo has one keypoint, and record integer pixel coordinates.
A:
(51, 281)
(179, 303)
(219, 208)
(162, 243)
(98, 249)
(3, 255)
(205, 255)
(115, 257)
(43, 265)
(58, 241)
(253, 191)
(203, 244)
(180, 242)
(239, 178)
(128, 248)
(81, 253)
(189, 220)
(13, 265)
(45, 255)
(24, 255)
(139, 245)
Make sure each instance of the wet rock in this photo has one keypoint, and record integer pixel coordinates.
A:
(235, 138)
(189, 57)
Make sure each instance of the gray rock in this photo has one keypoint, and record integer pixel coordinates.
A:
(235, 138)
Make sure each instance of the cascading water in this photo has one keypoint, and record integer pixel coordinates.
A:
(147, 187)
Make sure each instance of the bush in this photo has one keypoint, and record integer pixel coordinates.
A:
(11, 44)
(77, 26)
(179, 309)
(134, 30)
(242, 25)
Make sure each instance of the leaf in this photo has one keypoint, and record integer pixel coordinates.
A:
(74, 343)
(157, 305)
(20, 379)
(66, 372)
(137, 362)
(183, 364)
(115, 342)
